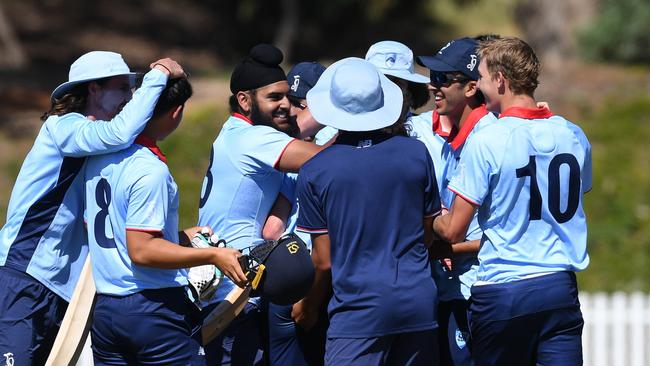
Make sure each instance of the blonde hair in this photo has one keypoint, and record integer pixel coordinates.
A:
(516, 61)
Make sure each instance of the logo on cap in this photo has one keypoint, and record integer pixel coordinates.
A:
(292, 247)
(472, 62)
(444, 48)
(296, 82)
(390, 60)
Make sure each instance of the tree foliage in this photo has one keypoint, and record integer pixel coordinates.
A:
(621, 33)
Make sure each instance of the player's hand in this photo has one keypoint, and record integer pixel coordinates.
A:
(169, 67)
(190, 232)
(304, 315)
(227, 261)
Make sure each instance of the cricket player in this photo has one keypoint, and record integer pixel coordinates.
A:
(247, 165)
(294, 337)
(454, 82)
(137, 263)
(526, 174)
(43, 243)
(371, 251)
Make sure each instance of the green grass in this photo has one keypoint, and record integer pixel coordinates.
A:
(618, 207)
(188, 156)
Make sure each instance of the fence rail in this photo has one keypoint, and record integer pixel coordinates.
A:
(617, 329)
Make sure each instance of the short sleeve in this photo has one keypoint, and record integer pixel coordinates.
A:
(311, 218)
(431, 193)
(263, 148)
(471, 179)
(148, 200)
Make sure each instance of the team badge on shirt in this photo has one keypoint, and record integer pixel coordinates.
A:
(461, 338)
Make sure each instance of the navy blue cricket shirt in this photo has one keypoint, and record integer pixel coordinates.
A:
(370, 193)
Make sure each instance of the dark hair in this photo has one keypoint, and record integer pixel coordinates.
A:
(487, 37)
(72, 101)
(419, 94)
(176, 93)
(233, 103)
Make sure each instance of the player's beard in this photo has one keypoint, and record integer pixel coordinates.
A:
(260, 118)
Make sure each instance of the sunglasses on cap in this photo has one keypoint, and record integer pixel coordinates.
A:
(296, 102)
(445, 79)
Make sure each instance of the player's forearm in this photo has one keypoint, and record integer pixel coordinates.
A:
(442, 227)
(276, 223)
(466, 247)
(160, 253)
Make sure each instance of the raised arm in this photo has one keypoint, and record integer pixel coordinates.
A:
(77, 136)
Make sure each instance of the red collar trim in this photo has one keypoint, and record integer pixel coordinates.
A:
(475, 115)
(527, 113)
(242, 117)
(436, 126)
(151, 145)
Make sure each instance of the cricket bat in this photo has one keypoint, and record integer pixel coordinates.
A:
(76, 322)
(221, 316)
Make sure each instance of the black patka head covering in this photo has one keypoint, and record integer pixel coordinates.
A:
(261, 67)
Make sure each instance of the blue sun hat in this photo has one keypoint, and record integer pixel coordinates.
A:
(91, 66)
(353, 95)
(396, 59)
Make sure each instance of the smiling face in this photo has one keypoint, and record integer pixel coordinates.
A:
(489, 86)
(451, 91)
(270, 106)
(108, 99)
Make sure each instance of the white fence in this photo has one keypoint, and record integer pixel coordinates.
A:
(617, 329)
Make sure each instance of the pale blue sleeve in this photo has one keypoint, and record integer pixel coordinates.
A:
(78, 136)
(585, 174)
(263, 146)
(471, 179)
(148, 200)
(288, 188)
(586, 170)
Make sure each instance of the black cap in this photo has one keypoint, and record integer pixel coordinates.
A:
(260, 68)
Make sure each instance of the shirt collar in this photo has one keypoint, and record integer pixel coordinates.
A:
(527, 113)
(437, 126)
(150, 144)
(457, 140)
(242, 117)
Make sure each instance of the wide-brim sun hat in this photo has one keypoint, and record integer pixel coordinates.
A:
(396, 59)
(91, 66)
(353, 95)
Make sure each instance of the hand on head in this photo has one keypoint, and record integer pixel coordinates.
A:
(169, 67)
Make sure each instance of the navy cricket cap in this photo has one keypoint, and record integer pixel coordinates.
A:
(302, 77)
(458, 55)
(288, 271)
